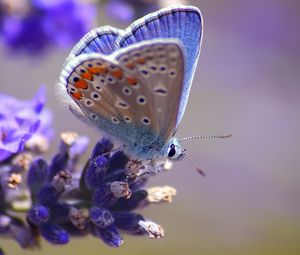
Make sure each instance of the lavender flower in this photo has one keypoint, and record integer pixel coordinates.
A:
(45, 24)
(22, 123)
(102, 196)
(61, 198)
(25, 131)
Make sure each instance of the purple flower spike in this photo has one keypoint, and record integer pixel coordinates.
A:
(37, 175)
(103, 146)
(59, 213)
(38, 215)
(118, 161)
(127, 221)
(137, 198)
(48, 195)
(59, 162)
(54, 234)
(67, 200)
(19, 121)
(96, 171)
(101, 217)
(116, 175)
(110, 236)
(103, 196)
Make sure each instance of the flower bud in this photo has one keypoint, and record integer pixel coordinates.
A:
(127, 221)
(102, 196)
(48, 195)
(161, 194)
(58, 163)
(54, 234)
(137, 198)
(95, 172)
(110, 236)
(101, 217)
(38, 215)
(154, 230)
(103, 146)
(37, 175)
(120, 189)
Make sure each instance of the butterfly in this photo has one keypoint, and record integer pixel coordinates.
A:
(134, 84)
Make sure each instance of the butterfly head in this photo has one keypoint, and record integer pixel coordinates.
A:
(174, 150)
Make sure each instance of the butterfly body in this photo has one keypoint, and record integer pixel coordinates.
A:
(134, 84)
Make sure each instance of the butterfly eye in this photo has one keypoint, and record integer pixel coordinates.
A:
(172, 151)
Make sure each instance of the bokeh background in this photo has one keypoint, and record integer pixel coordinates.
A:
(247, 83)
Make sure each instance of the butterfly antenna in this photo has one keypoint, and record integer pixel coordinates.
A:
(199, 170)
(205, 137)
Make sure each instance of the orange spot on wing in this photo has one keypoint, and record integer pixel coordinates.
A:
(98, 70)
(81, 84)
(76, 95)
(117, 73)
(87, 76)
(130, 65)
(132, 81)
(141, 60)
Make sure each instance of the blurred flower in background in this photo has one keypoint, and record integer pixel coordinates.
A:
(25, 131)
(36, 26)
(24, 124)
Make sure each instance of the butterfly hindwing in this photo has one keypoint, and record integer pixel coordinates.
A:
(158, 67)
(179, 22)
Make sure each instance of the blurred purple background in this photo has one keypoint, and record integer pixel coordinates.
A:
(247, 83)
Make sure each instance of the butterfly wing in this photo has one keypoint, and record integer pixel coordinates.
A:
(99, 40)
(180, 22)
(133, 94)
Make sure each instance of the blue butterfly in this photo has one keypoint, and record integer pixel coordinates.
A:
(134, 83)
